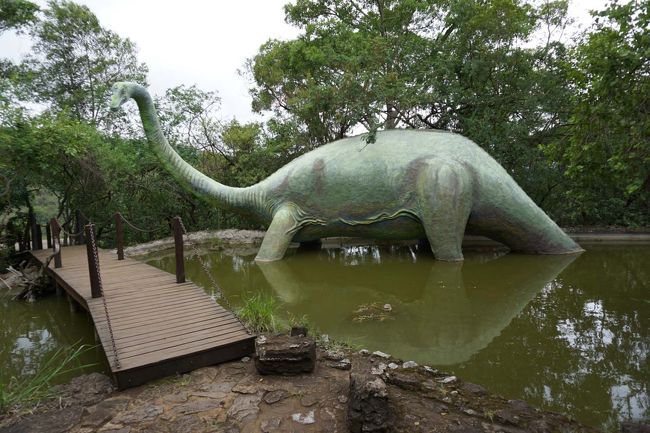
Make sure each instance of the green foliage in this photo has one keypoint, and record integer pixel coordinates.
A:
(15, 14)
(75, 62)
(606, 148)
(29, 390)
(259, 313)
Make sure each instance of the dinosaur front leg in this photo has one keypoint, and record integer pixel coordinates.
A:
(278, 236)
(444, 198)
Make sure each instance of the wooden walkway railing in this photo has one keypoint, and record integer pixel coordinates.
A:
(150, 323)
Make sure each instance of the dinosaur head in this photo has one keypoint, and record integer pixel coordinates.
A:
(121, 94)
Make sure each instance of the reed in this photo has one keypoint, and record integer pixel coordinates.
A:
(28, 390)
(259, 313)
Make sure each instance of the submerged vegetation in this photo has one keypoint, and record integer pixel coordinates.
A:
(20, 392)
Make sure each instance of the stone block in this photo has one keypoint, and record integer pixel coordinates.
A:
(285, 354)
(368, 408)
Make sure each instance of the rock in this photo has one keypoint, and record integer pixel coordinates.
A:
(197, 406)
(380, 354)
(114, 428)
(212, 395)
(507, 417)
(246, 359)
(245, 388)
(393, 366)
(285, 355)
(472, 388)
(270, 425)
(368, 409)
(55, 421)
(85, 390)
(410, 364)
(309, 400)
(245, 407)
(633, 427)
(454, 393)
(430, 370)
(520, 405)
(342, 399)
(273, 397)
(334, 355)
(179, 397)
(471, 412)
(447, 380)
(364, 352)
(388, 308)
(404, 381)
(343, 364)
(186, 424)
(308, 418)
(298, 331)
(378, 370)
(146, 412)
(429, 385)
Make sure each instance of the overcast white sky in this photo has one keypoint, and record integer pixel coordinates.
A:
(204, 42)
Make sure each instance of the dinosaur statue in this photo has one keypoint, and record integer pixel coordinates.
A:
(408, 184)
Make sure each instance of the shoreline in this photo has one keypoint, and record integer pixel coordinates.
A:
(233, 397)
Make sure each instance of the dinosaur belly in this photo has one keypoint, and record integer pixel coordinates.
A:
(397, 228)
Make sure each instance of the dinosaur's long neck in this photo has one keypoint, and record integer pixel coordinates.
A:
(249, 199)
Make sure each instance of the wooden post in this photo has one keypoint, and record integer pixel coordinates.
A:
(48, 235)
(38, 240)
(93, 262)
(119, 236)
(56, 242)
(80, 224)
(33, 230)
(178, 244)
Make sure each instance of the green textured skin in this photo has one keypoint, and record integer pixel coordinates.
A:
(408, 184)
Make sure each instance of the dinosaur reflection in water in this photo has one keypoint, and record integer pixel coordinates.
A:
(442, 313)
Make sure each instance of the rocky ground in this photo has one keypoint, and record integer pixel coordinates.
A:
(233, 397)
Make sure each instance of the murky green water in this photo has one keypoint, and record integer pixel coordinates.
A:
(32, 333)
(566, 333)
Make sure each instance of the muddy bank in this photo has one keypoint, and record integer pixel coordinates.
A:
(233, 397)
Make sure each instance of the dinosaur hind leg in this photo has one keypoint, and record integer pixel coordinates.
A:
(278, 236)
(445, 201)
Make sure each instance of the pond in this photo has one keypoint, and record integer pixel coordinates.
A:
(565, 333)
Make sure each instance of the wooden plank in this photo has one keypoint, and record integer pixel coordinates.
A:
(159, 326)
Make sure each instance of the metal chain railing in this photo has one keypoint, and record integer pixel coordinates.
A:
(101, 290)
(218, 293)
(134, 227)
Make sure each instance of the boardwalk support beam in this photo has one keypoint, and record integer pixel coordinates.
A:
(178, 244)
(93, 262)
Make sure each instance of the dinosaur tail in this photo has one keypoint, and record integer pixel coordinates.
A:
(505, 213)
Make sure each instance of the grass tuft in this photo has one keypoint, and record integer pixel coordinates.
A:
(30, 390)
(259, 313)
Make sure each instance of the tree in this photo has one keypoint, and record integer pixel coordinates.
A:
(606, 149)
(457, 65)
(16, 14)
(75, 62)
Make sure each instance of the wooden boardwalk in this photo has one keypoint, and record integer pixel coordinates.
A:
(159, 327)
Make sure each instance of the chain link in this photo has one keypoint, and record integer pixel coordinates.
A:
(217, 292)
(140, 229)
(103, 296)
